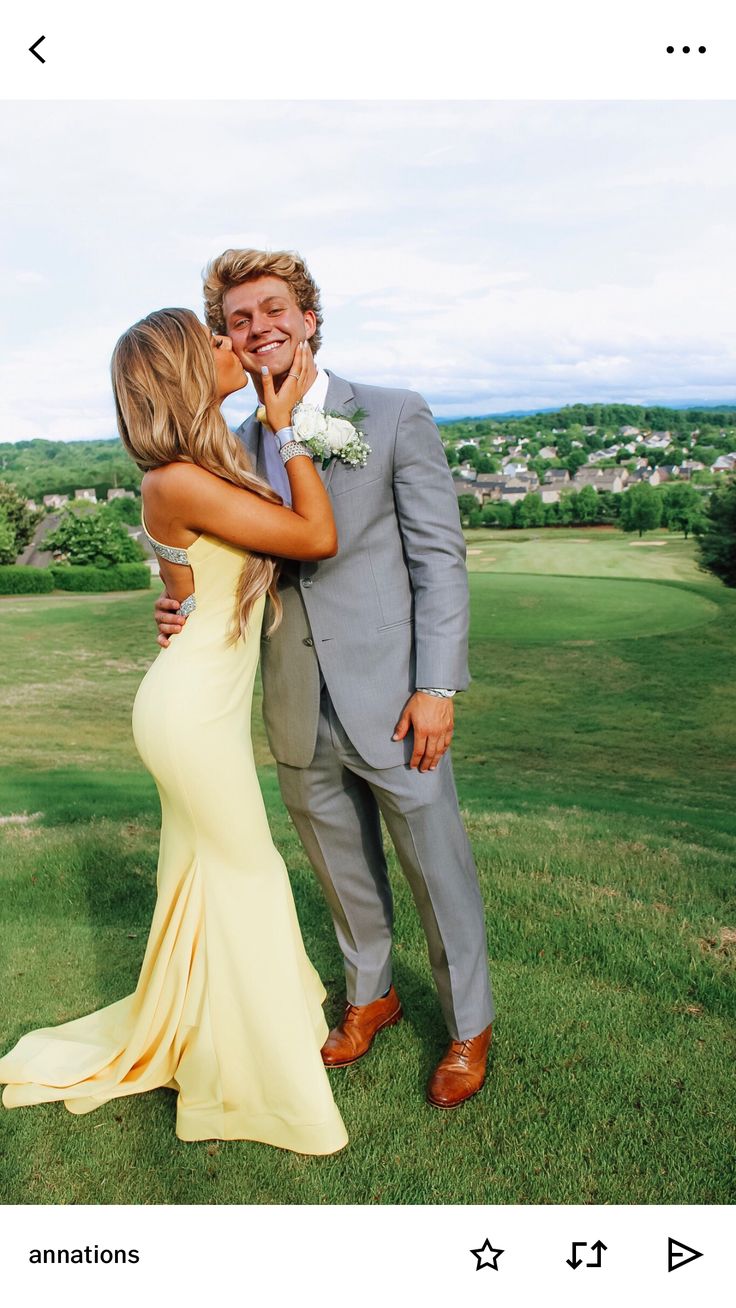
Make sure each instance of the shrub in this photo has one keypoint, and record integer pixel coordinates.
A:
(123, 576)
(25, 581)
(94, 539)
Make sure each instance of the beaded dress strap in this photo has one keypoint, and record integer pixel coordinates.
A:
(172, 554)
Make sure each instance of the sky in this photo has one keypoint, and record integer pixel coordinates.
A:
(493, 255)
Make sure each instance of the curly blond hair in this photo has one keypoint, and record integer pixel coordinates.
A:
(165, 387)
(233, 267)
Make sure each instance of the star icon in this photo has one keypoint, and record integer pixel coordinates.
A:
(487, 1256)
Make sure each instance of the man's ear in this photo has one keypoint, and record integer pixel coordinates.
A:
(310, 322)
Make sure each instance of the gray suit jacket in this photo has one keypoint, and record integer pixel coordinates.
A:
(390, 611)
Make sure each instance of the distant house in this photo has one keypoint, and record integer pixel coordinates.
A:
(466, 472)
(601, 479)
(55, 501)
(658, 440)
(612, 479)
(628, 432)
(511, 467)
(32, 505)
(689, 466)
(586, 475)
(548, 452)
(645, 474)
(467, 488)
(724, 463)
(668, 471)
(490, 485)
(550, 494)
(115, 493)
(90, 495)
(556, 476)
(513, 491)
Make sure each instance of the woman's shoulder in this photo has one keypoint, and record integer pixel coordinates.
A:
(178, 478)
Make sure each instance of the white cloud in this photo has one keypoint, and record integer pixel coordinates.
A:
(493, 256)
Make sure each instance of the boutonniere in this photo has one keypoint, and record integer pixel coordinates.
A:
(331, 435)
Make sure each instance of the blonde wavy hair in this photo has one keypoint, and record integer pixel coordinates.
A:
(234, 267)
(165, 388)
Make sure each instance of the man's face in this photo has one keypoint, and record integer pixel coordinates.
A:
(265, 324)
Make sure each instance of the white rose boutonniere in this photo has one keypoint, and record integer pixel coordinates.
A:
(331, 435)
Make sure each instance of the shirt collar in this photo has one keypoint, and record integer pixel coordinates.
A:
(317, 393)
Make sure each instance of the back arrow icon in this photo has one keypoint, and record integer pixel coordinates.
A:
(32, 50)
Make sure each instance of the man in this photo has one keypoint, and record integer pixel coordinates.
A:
(359, 679)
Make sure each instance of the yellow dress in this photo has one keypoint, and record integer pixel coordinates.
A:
(228, 1008)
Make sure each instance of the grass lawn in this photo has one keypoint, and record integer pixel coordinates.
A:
(595, 764)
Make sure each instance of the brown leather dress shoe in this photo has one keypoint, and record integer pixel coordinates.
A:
(461, 1073)
(360, 1025)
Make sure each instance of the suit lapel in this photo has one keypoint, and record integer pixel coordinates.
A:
(339, 399)
(250, 433)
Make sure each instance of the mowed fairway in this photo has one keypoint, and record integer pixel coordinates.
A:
(595, 763)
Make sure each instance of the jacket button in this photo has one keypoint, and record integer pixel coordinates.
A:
(308, 641)
(306, 581)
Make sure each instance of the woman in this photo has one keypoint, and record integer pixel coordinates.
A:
(227, 1010)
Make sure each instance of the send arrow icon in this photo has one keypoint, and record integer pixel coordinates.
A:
(678, 1254)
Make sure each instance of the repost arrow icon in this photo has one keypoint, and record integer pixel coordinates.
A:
(32, 50)
(676, 1254)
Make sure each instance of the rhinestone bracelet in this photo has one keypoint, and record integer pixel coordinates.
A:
(293, 448)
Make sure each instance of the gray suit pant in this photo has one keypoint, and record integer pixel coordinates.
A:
(336, 805)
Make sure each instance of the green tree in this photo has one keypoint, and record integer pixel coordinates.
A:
(486, 463)
(568, 507)
(469, 454)
(124, 510)
(587, 505)
(531, 510)
(682, 508)
(574, 460)
(20, 521)
(93, 539)
(717, 545)
(504, 514)
(467, 504)
(641, 508)
(7, 540)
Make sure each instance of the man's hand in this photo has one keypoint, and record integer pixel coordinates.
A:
(433, 721)
(168, 620)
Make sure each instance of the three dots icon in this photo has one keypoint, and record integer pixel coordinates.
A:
(686, 49)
